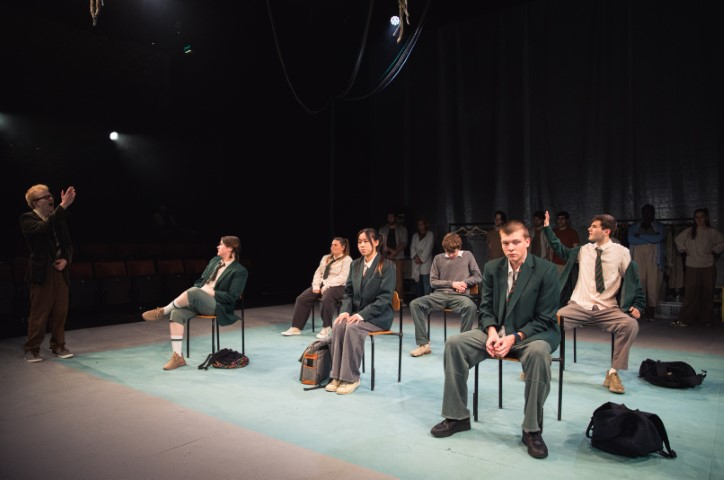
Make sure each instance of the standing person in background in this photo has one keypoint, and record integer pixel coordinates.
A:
(538, 242)
(50, 253)
(567, 235)
(327, 287)
(366, 308)
(395, 234)
(495, 250)
(646, 242)
(215, 293)
(701, 245)
(421, 253)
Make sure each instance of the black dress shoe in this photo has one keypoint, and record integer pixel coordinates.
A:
(536, 446)
(449, 427)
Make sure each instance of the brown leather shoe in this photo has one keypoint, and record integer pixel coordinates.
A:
(155, 314)
(175, 362)
(536, 446)
(613, 383)
(450, 427)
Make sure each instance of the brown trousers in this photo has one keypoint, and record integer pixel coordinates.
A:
(49, 303)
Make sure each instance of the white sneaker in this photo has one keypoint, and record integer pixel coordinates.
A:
(291, 331)
(333, 385)
(347, 387)
(324, 333)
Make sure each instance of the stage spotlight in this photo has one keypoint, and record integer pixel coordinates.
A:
(394, 20)
(114, 136)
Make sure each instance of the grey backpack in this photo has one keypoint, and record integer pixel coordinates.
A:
(316, 363)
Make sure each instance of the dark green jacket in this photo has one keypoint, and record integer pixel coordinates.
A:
(371, 295)
(227, 289)
(533, 305)
(631, 293)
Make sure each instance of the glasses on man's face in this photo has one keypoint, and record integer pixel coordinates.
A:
(44, 197)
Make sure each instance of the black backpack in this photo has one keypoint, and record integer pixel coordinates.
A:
(670, 374)
(225, 358)
(617, 429)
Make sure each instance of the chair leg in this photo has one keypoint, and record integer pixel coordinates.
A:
(242, 330)
(560, 389)
(500, 383)
(187, 332)
(574, 346)
(399, 362)
(215, 344)
(372, 362)
(313, 315)
(444, 325)
(475, 395)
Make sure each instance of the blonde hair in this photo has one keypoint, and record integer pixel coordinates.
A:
(33, 191)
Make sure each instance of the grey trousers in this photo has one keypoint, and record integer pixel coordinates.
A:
(465, 350)
(613, 320)
(200, 303)
(422, 306)
(347, 349)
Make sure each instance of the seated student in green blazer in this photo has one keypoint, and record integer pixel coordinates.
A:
(215, 293)
(517, 319)
(366, 307)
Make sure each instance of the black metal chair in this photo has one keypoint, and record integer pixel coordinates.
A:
(396, 307)
(474, 294)
(561, 366)
(215, 337)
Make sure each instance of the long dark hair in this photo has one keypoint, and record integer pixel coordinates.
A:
(372, 234)
(705, 211)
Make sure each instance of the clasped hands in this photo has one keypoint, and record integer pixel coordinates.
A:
(499, 347)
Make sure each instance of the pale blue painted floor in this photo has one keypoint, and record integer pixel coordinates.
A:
(112, 412)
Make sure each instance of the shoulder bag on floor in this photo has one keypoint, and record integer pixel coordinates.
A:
(670, 374)
(617, 429)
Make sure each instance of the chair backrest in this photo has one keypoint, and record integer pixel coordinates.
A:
(81, 271)
(110, 269)
(397, 307)
(171, 267)
(138, 268)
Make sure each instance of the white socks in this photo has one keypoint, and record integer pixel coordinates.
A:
(177, 343)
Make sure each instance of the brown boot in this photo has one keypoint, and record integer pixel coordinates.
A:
(175, 362)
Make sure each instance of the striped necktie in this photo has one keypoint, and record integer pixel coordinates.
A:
(216, 272)
(328, 267)
(600, 286)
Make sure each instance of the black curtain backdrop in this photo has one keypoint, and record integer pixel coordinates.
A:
(587, 106)
(562, 105)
